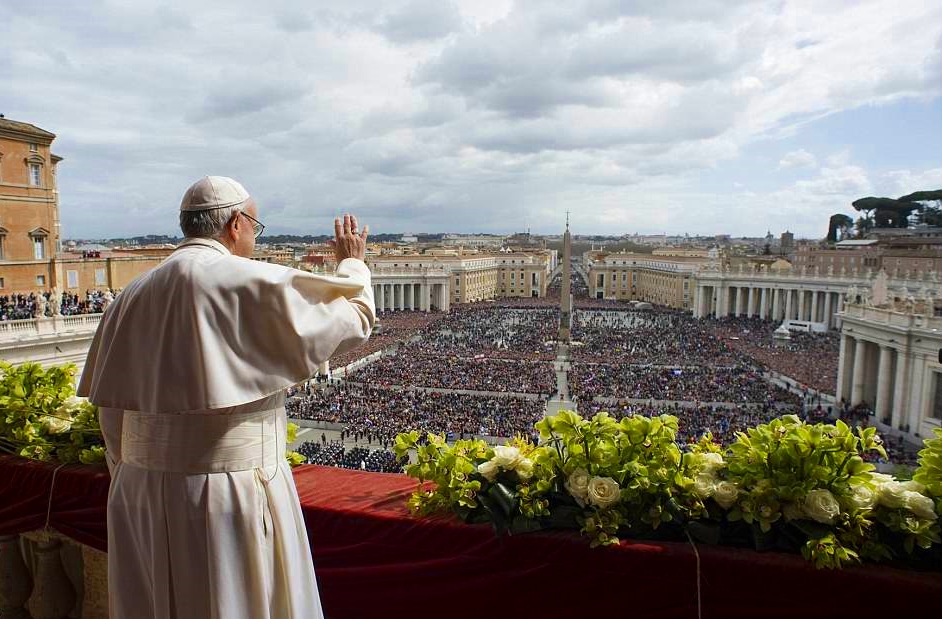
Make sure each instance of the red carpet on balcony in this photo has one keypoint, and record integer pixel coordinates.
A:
(374, 560)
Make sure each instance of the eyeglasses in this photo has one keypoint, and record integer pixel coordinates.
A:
(257, 226)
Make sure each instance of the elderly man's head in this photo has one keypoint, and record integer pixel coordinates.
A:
(217, 207)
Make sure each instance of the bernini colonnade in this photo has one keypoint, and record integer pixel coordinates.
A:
(411, 288)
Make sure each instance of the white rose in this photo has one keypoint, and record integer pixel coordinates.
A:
(578, 484)
(920, 504)
(704, 485)
(525, 468)
(725, 494)
(70, 406)
(913, 486)
(489, 470)
(820, 505)
(56, 425)
(712, 460)
(892, 495)
(506, 457)
(863, 497)
(603, 491)
(879, 479)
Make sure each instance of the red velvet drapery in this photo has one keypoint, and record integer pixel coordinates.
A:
(374, 560)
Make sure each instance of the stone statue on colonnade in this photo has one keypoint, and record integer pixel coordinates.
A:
(55, 300)
(41, 304)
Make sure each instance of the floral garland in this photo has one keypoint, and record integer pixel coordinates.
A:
(42, 419)
(784, 485)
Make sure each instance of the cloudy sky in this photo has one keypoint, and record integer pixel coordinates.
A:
(697, 116)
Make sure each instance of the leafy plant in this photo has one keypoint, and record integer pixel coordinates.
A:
(42, 419)
(785, 485)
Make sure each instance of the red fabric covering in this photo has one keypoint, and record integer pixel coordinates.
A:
(375, 561)
(78, 506)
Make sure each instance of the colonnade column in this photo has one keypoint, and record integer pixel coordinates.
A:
(738, 308)
(899, 393)
(751, 302)
(840, 307)
(857, 387)
(764, 304)
(776, 303)
(882, 407)
(828, 317)
(840, 392)
(801, 305)
(788, 304)
(814, 306)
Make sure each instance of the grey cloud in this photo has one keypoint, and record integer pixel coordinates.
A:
(230, 98)
(421, 20)
(294, 21)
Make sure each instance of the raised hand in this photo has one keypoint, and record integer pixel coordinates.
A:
(349, 241)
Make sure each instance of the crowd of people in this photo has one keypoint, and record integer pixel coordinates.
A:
(495, 332)
(738, 385)
(24, 306)
(374, 414)
(645, 337)
(412, 366)
(811, 359)
(391, 328)
(577, 286)
(334, 454)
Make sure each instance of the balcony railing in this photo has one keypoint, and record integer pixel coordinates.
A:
(30, 328)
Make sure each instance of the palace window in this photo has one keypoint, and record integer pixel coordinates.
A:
(40, 280)
(72, 278)
(38, 236)
(35, 174)
(3, 237)
(100, 278)
(33, 147)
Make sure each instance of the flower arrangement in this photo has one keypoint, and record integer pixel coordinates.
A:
(42, 419)
(786, 485)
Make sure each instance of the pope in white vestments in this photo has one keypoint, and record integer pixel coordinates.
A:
(189, 368)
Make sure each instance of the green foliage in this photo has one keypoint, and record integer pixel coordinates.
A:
(785, 484)
(42, 419)
(929, 472)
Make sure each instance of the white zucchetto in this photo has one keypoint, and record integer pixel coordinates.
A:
(212, 192)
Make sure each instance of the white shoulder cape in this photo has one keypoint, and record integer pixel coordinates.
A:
(206, 329)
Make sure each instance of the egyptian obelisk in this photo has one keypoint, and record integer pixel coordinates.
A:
(565, 296)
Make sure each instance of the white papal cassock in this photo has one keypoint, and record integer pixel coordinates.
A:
(189, 367)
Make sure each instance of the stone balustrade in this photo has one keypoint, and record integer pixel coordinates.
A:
(38, 327)
(48, 576)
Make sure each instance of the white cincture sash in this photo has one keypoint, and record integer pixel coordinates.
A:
(202, 443)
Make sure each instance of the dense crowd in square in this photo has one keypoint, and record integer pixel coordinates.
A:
(393, 328)
(740, 385)
(647, 337)
(376, 414)
(811, 359)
